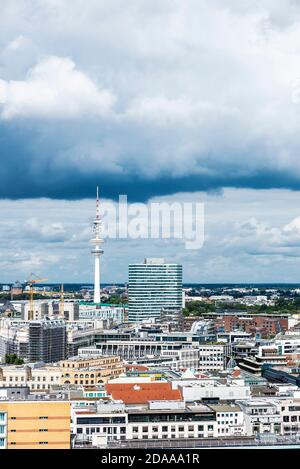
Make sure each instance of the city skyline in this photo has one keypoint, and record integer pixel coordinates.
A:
(149, 229)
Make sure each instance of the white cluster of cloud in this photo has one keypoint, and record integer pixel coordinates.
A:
(259, 238)
(54, 88)
(44, 232)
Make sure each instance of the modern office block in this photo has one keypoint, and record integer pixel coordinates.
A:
(153, 286)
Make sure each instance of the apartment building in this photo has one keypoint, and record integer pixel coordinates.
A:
(265, 324)
(37, 378)
(90, 372)
(213, 357)
(230, 419)
(114, 313)
(290, 415)
(261, 416)
(267, 355)
(34, 425)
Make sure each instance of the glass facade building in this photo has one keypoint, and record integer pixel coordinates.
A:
(153, 285)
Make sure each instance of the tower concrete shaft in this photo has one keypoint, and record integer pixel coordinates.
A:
(97, 251)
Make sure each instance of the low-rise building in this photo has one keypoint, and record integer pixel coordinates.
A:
(290, 415)
(261, 416)
(154, 421)
(213, 389)
(41, 377)
(230, 419)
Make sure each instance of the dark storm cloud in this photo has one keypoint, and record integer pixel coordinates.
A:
(28, 171)
(154, 100)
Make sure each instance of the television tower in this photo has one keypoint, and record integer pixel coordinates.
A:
(97, 251)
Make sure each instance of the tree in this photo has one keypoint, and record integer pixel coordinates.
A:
(13, 359)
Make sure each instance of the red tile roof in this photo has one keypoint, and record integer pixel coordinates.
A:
(142, 393)
(137, 367)
(236, 373)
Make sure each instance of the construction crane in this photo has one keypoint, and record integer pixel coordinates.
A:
(32, 281)
(62, 302)
(58, 293)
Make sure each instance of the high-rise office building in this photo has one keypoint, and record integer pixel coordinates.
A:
(153, 285)
(47, 340)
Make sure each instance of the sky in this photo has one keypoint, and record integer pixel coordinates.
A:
(161, 100)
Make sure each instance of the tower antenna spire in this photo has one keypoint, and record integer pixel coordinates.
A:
(97, 205)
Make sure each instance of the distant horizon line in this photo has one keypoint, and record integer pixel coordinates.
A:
(184, 283)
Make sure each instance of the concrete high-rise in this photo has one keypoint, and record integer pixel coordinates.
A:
(97, 251)
(153, 285)
(47, 340)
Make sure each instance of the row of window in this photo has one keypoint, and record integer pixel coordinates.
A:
(293, 418)
(33, 378)
(42, 417)
(100, 420)
(164, 428)
(40, 443)
(108, 430)
(40, 430)
(172, 436)
(228, 422)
